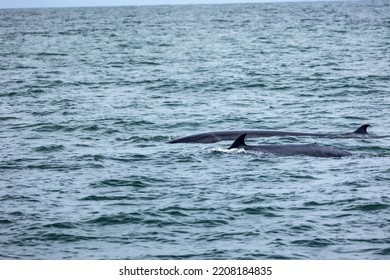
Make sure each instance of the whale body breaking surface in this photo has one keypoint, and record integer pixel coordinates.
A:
(217, 136)
(290, 150)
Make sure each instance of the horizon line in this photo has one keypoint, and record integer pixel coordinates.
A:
(171, 4)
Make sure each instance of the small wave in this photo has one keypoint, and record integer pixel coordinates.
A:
(64, 237)
(17, 163)
(175, 211)
(54, 128)
(8, 118)
(138, 182)
(62, 225)
(302, 228)
(9, 94)
(315, 203)
(121, 218)
(208, 223)
(263, 211)
(222, 20)
(55, 166)
(316, 242)
(90, 157)
(130, 158)
(132, 181)
(5, 221)
(384, 252)
(140, 139)
(51, 54)
(150, 63)
(43, 113)
(175, 256)
(256, 85)
(368, 207)
(93, 127)
(18, 198)
(36, 90)
(105, 198)
(49, 148)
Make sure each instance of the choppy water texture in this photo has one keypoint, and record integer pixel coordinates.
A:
(89, 97)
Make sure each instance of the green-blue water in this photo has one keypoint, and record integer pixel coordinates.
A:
(89, 97)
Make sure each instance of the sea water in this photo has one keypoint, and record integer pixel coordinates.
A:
(90, 96)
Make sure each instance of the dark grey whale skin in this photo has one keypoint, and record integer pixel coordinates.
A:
(216, 136)
(290, 150)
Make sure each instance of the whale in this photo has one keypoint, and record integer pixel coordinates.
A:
(312, 150)
(217, 136)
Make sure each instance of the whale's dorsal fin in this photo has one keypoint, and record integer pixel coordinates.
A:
(362, 129)
(240, 141)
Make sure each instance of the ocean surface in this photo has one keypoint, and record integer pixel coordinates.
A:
(90, 96)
